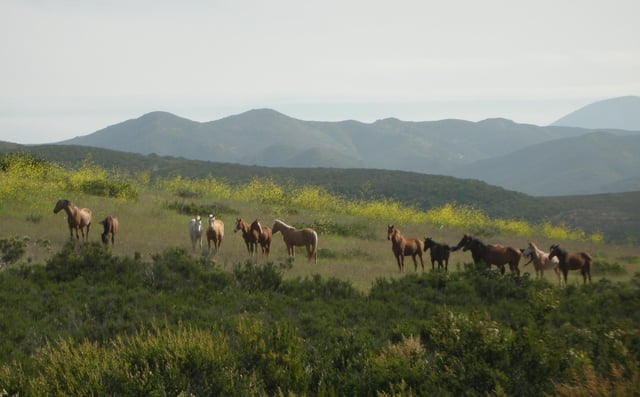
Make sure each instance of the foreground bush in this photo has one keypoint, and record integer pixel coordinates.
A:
(90, 323)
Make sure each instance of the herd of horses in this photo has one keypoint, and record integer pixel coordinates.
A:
(557, 259)
(257, 235)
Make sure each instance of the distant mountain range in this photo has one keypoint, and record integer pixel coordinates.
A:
(552, 160)
(620, 113)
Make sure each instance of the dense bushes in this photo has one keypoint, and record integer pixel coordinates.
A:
(88, 322)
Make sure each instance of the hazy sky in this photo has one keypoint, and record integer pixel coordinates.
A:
(71, 67)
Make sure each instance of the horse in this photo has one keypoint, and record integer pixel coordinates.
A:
(541, 260)
(110, 224)
(439, 253)
(402, 247)
(264, 236)
(215, 233)
(250, 236)
(195, 232)
(572, 261)
(78, 218)
(492, 254)
(298, 237)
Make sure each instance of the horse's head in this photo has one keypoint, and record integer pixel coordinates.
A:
(463, 241)
(238, 224)
(428, 243)
(554, 251)
(527, 251)
(62, 203)
(391, 231)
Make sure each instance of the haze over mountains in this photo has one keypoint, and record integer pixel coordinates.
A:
(542, 161)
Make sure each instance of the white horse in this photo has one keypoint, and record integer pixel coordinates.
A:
(195, 232)
(541, 261)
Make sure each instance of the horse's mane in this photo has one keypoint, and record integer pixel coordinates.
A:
(284, 224)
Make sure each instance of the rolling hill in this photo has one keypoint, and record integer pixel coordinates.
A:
(597, 162)
(619, 113)
(615, 215)
(268, 138)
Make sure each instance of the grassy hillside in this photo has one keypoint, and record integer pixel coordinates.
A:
(150, 315)
(617, 216)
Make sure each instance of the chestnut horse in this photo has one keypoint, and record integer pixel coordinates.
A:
(78, 218)
(215, 233)
(250, 236)
(298, 237)
(439, 253)
(541, 260)
(110, 225)
(572, 261)
(264, 236)
(253, 235)
(402, 247)
(491, 254)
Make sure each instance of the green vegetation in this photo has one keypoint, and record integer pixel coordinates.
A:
(88, 322)
(151, 317)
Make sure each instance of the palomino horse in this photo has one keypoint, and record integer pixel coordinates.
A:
(78, 218)
(110, 225)
(541, 260)
(572, 261)
(439, 253)
(195, 232)
(298, 237)
(491, 254)
(264, 236)
(402, 247)
(215, 233)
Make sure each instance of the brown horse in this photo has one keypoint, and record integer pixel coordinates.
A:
(572, 261)
(402, 247)
(78, 218)
(492, 254)
(110, 224)
(264, 236)
(250, 236)
(215, 233)
(439, 253)
(298, 237)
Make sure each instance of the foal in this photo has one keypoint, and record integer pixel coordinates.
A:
(439, 253)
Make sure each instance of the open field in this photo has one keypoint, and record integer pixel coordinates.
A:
(148, 226)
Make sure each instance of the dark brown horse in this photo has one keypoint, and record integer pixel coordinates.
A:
(402, 247)
(264, 236)
(77, 218)
(491, 254)
(110, 225)
(439, 253)
(572, 261)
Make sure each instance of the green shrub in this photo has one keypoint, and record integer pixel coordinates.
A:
(12, 249)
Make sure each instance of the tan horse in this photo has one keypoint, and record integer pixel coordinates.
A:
(541, 260)
(264, 236)
(110, 225)
(78, 218)
(215, 233)
(572, 261)
(402, 247)
(298, 237)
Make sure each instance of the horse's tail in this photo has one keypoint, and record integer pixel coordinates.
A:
(315, 247)
(587, 258)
